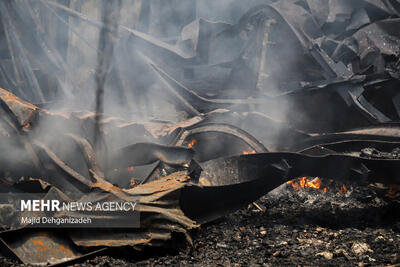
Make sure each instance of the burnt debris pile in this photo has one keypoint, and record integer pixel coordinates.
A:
(201, 110)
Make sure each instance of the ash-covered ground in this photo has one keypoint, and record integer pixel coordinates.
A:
(305, 227)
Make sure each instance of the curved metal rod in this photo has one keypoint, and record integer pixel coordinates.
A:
(226, 129)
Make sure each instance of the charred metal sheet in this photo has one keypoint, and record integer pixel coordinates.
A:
(158, 202)
(32, 185)
(192, 98)
(126, 133)
(160, 216)
(334, 166)
(281, 136)
(43, 247)
(75, 177)
(275, 135)
(350, 147)
(133, 175)
(313, 96)
(159, 205)
(17, 115)
(147, 153)
(371, 43)
(385, 133)
(228, 178)
(24, 111)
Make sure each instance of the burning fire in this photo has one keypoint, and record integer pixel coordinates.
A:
(305, 182)
(343, 189)
(249, 152)
(316, 183)
(192, 143)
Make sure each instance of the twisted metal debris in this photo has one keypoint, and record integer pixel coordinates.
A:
(334, 63)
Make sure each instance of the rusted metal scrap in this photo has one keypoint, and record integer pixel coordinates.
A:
(334, 63)
(43, 247)
(87, 180)
(81, 174)
(178, 202)
(160, 216)
(159, 204)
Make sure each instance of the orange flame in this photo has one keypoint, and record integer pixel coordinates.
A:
(192, 143)
(249, 152)
(305, 182)
(316, 183)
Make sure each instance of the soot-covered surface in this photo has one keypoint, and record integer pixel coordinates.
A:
(305, 227)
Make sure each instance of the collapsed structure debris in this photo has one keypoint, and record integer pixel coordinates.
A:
(291, 89)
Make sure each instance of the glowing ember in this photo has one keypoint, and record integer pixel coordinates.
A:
(249, 152)
(305, 182)
(343, 189)
(393, 192)
(192, 143)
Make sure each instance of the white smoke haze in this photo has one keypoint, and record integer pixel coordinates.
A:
(209, 46)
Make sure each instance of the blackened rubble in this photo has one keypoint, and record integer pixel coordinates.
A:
(305, 227)
(207, 113)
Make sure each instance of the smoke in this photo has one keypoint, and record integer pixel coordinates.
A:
(72, 43)
(211, 47)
